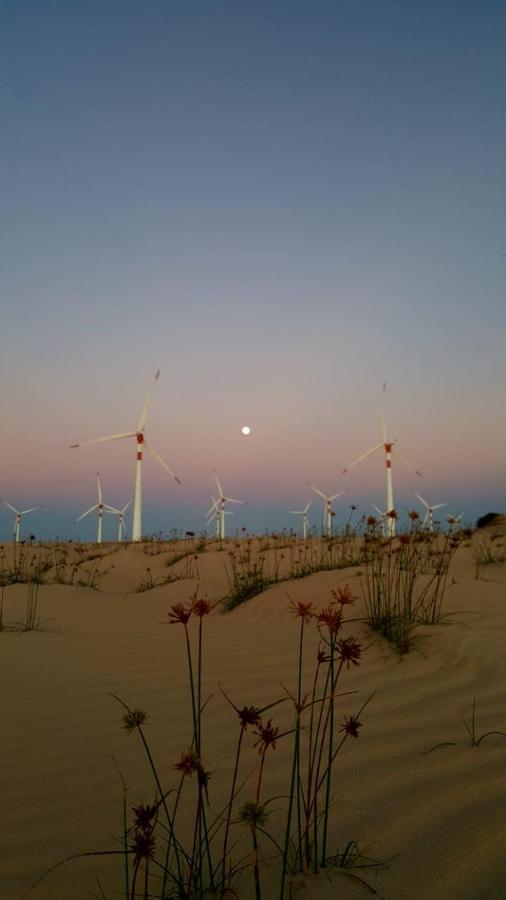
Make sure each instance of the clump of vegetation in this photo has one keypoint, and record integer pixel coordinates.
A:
(491, 518)
(488, 550)
(400, 590)
(472, 734)
(165, 858)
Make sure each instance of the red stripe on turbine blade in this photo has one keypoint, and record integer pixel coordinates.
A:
(389, 463)
(139, 454)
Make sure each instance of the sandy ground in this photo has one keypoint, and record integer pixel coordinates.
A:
(439, 820)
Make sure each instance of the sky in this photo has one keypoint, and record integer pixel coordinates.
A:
(278, 205)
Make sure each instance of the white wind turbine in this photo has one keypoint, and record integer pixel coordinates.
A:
(219, 506)
(454, 521)
(140, 442)
(382, 518)
(429, 519)
(100, 506)
(327, 508)
(303, 513)
(120, 513)
(213, 515)
(18, 513)
(387, 446)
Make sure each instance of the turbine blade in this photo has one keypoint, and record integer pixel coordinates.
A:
(231, 500)
(123, 511)
(315, 489)
(307, 506)
(111, 509)
(147, 403)
(363, 456)
(14, 510)
(88, 511)
(23, 512)
(377, 509)
(297, 512)
(99, 487)
(340, 494)
(407, 464)
(439, 506)
(220, 489)
(161, 461)
(101, 440)
(421, 499)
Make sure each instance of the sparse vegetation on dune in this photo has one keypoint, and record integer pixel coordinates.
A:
(180, 844)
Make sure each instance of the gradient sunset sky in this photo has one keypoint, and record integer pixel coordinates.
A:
(281, 206)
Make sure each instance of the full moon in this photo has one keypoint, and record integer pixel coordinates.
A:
(245, 429)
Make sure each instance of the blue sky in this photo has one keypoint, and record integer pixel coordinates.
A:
(280, 206)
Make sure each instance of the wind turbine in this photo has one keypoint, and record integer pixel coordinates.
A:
(213, 514)
(17, 520)
(454, 521)
(382, 518)
(387, 446)
(303, 513)
(101, 506)
(219, 506)
(140, 442)
(327, 508)
(429, 520)
(121, 518)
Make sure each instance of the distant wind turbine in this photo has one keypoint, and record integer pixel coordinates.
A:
(213, 514)
(327, 508)
(100, 506)
(120, 513)
(382, 518)
(303, 513)
(18, 513)
(219, 506)
(454, 521)
(387, 446)
(429, 519)
(141, 441)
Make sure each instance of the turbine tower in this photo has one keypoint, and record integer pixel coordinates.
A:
(100, 506)
(303, 513)
(327, 508)
(429, 520)
(386, 445)
(121, 518)
(141, 442)
(213, 514)
(219, 506)
(18, 513)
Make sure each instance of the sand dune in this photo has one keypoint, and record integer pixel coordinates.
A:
(438, 819)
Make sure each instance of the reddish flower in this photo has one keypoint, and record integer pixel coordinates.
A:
(372, 521)
(344, 595)
(392, 514)
(144, 815)
(249, 715)
(331, 618)
(143, 845)
(321, 656)
(302, 610)
(413, 515)
(188, 764)
(267, 736)
(179, 614)
(349, 651)
(351, 725)
(201, 606)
